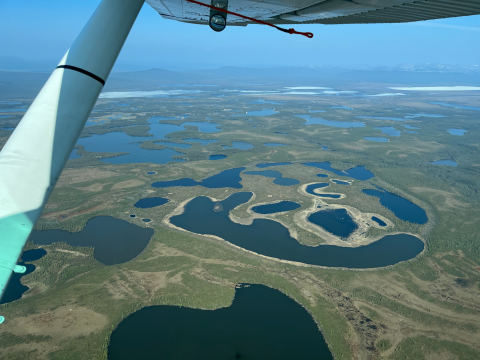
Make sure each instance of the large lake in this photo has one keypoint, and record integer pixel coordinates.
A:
(358, 172)
(226, 178)
(402, 208)
(261, 323)
(115, 241)
(270, 238)
(118, 142)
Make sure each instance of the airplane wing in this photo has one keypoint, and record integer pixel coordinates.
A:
(34, 156)
(319, 12)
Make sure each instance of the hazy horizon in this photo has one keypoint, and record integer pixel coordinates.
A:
(174, 45)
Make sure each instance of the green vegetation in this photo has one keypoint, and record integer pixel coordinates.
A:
(424, 307)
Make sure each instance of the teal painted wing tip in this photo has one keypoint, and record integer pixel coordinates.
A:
(2, 319)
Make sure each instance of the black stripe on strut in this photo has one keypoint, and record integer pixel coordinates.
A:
(85, 72)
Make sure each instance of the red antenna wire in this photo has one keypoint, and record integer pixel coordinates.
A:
(290, 31)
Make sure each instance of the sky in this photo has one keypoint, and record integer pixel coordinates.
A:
(44, 30)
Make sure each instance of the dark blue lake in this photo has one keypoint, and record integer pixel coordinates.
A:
(444, 162)
(337, 222)
(402, 208)
(279, 179)
(151, 172)
(276, 208)
(217, 157)
(270, 238)
(261, 323)
(150, 202)
(264, 165)
(227, 178)
(379, 221)
(334, 123)
(309, 188)
(114, 241)
(358, 172)
(15, 289)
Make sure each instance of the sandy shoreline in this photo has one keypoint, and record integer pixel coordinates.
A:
(354, 240)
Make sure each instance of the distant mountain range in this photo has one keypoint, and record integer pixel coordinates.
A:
(26, 84)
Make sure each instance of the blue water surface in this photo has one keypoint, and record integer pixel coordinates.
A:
(334, 123)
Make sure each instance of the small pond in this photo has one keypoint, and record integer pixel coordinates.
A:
(411, 127)
(358, 172)
(376, 139)
(279, 179)
(15, 289)
(389, 130)
(402, 208)
(309, 189)
(444, 162)
(264, 165)
(337, 222)
(379, 221)
(115, 241)
(151, 172)
(227, 178)
(217, 157)
(270, 238)
(338, 124)
(340, 182)
(322, 175)
(457, 132)
(239, 145)
(150, 202)
(261, 323)
(276, 208)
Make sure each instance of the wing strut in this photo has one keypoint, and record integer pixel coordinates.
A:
(34, 156)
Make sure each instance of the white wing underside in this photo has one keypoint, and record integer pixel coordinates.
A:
(321, 12)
